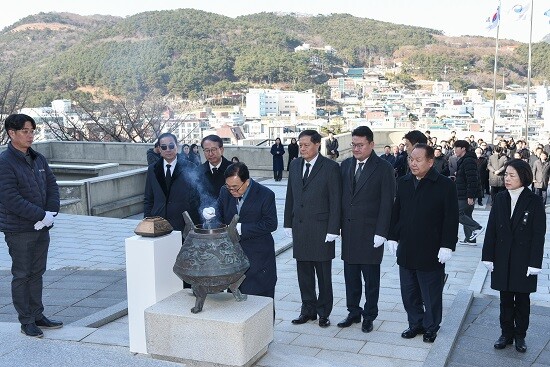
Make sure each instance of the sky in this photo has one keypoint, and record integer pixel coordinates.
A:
(453, 17)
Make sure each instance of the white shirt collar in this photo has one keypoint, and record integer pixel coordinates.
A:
(312, 162)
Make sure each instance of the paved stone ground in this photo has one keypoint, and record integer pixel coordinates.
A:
(481, 329)
(86, 277)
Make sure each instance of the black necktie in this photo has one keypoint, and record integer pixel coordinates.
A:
(306, 173)
(168, 175)
(357, 174)
(214, 171)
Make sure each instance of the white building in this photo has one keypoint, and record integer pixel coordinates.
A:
(275, 102)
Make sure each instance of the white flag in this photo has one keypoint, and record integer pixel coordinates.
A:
(520, 10)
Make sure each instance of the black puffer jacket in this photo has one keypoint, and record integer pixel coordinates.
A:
(467, 176)
(27, 191)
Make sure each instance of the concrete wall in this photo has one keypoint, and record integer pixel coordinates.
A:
(117, 195)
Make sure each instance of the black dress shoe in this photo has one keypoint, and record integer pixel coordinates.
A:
(412, 332)
(324, 321)
(502, 342)
(349, 320)
(366, 327)
(302, 319)
(31, 330)
(429, 336)
(520, 345)
(45, 323)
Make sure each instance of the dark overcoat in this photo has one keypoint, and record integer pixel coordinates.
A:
(513, 244)
(367, 210)
(313, 209)
(424, 220)
(170, 202)
(277, 151)
(258, 218)
(209, 183)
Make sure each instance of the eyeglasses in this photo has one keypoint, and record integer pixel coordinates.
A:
(169, 146)
(210, 150)
(25, 131)
(232, 189)
(357, 146)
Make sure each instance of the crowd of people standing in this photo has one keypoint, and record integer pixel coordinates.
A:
(368, 200)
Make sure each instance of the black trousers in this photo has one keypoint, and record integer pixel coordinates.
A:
(354, 289)
(422, 294)
(29, 253)
(278, 175)
(311, 304)
(514, 313)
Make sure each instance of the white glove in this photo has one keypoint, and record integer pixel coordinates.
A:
(444, 255)
(288, 232)
(533, 271)
(378, 241)
(48, 219)
(392, 246)
(331, 237)
(208, 213)
(39, 225)
(489, 265)
(239, 228)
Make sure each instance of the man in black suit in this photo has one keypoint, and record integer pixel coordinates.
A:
(368, 190)
(423, 234)
(387, 155)
(255, 205)
(312, 219)
(169, 187)
(211, 172)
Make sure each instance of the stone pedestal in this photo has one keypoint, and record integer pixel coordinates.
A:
(149, 278)
(225, 333)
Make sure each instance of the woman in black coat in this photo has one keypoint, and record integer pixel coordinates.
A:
(513, 250)
(292, 152)
(194, 155)
(277, 150)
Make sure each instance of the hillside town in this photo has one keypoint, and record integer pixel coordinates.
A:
(358, 96)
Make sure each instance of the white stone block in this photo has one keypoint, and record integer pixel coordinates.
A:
(149, 279)
(224, 333)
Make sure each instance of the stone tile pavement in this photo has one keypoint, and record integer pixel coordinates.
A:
(85, 287)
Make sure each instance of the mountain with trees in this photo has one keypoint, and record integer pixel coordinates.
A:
(193, 54)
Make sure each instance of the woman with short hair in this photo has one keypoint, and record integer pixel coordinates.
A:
(513, 251)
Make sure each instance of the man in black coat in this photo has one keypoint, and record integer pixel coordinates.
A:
(312, 220)
(467, 187)
(170, 189)
(331, 146)
(211, 172)
(387, 155)
(423, 231)
(368, 190)
(440, 162)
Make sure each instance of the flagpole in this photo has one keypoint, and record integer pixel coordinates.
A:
(495, 79)
(528, 78)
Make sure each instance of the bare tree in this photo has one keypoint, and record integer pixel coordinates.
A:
(95, 118)
(13, 94)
